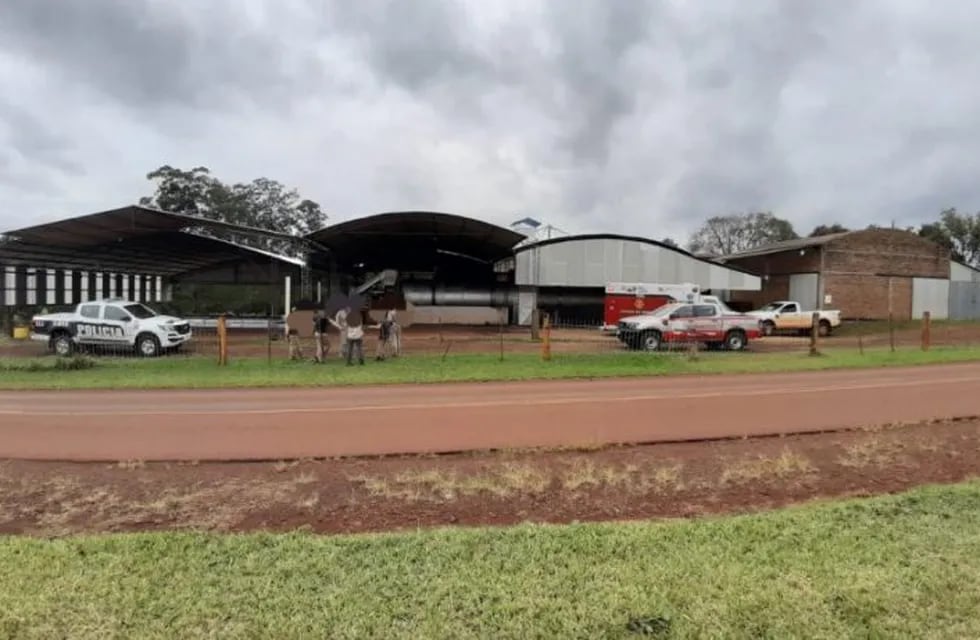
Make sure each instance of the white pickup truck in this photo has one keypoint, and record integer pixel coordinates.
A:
(787, 315)
(682, 322)
(112, 323)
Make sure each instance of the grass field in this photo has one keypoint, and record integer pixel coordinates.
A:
(200, 372)
(895, 567)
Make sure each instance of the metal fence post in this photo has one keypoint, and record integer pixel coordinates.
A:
(546, 342)
(926, 330)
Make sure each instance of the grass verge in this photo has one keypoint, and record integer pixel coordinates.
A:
(900, 566)
(201, 372)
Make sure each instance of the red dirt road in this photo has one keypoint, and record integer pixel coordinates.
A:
(257, 424)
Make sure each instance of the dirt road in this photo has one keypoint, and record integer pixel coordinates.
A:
(293, 423)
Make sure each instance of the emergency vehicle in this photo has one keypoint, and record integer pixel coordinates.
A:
(111, 323)
(625, 299)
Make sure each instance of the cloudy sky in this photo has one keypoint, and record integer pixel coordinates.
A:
(624, 116)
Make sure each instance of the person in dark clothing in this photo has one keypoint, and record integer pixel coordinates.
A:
(320, 327)
(386, 335)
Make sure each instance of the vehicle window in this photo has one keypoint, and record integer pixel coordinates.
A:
(687, 311)
(791, 308)
(89, 311)
(772, 306)
(117, 314)
(140, 311)
(704, 311)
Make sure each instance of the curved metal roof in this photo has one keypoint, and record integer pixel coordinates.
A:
(400, 236)
(614, 236)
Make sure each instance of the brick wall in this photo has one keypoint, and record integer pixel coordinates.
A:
(865, 297)
(886, 251)
(775, 288)
(781, 263)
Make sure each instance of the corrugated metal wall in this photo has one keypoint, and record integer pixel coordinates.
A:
(932, 295)
(964, 300)
(597, 262)
(804, 288)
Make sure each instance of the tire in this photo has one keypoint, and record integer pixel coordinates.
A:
(650, 341)
(62, 345)
(147, 346)
(735, 341)
(768, 328)
(823, 329)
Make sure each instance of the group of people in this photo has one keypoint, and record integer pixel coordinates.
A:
(351, 331)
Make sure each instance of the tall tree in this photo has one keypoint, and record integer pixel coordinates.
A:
(262, 203)
(828, 229)
(959, 232)
(723, 235)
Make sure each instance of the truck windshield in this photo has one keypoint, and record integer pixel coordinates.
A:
(140, 311)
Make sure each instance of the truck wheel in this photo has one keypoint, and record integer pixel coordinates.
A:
(651, 341)
(768, 328)
(147, 346)
(735, 341)
(62, 345)
(823, 329)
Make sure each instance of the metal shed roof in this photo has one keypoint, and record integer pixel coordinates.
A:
(398, 236)
(135, 239)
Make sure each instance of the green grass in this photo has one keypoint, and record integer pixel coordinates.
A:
(896, 567)
(199, 372)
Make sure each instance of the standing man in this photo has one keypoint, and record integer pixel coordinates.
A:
(340, 321)
(355, 339)
(386, 336)
(320, 326)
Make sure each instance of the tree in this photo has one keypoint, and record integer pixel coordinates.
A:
(262, 204)
(723, 235)
(827, 229)
(670, 243)
(958, 232)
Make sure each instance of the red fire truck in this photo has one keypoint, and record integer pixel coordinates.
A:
(624, 299)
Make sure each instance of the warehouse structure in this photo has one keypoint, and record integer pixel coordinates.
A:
(567, 276)
(448, 268)
(133, 252)
(866, 274)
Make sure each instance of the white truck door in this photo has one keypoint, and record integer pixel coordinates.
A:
(119, 325)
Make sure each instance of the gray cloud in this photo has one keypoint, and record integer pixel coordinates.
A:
(644, 116)
(151, 54)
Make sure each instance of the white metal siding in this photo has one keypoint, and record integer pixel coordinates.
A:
(803, 288)
(596, 262)
(932, 295)
(962, 273)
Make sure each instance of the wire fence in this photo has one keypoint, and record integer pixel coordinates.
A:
(266, 338)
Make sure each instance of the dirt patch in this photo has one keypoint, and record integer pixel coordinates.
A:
(355, 495)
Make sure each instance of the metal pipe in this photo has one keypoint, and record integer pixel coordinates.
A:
(426, 295)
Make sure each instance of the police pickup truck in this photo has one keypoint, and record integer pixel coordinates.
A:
(113, 323)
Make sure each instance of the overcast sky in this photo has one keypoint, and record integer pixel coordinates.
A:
(598, 115)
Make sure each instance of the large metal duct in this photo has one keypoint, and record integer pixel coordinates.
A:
(427, 295)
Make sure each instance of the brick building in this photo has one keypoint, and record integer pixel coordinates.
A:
(865, 274)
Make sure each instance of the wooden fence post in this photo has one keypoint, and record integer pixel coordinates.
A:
(891, 330)
(535, 324)
(546, 342)
(222, 340)
(926, 330)
(814, 333)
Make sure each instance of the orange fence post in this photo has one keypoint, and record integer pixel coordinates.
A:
(926, 330)
(546, 342)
